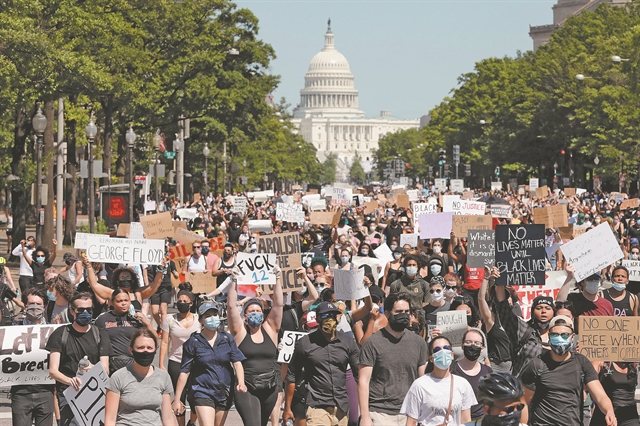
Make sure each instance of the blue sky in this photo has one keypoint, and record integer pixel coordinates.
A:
(406, 56)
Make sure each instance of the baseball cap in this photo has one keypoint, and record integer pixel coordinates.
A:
(326, 307)
(634, 241)
(542, 300)
(566, 319)
(207, 306)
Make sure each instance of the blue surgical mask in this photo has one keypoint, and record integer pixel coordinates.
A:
(443, 359)
(364, 251)
(212, 323)
(255, 319)
(84, 318)
(40, 259)
(392, 247)
(51, 295)
(592, 286)
(344, 260)
(618, 286)
(435, 269)
(412, 271)
(559, 345)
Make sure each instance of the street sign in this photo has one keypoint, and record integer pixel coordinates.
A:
(139, 180)
(169, 155)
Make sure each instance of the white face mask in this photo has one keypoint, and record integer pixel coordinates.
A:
(450, 292)
(437, 249)
(634, 256)
(301, 292)
(592, 287)
(437, 296)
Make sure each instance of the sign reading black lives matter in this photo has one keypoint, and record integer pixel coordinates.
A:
(101, 248)
(520, 254)
(287, 248)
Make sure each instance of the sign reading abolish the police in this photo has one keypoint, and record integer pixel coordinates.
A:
(23, 358)
(520, 254)
(101, 248)
(256, 268)
(610, 338)
(287, 248)
(87, 404)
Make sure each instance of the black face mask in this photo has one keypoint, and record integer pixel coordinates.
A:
(472, 353)
(183, 307)
(399, 322)
(470, 321)
(124, 283)
(143, 358)
(227, 255)
(205, 250)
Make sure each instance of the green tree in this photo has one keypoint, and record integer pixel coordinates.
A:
(357, 171)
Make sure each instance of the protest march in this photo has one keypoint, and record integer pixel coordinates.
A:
(346, 306)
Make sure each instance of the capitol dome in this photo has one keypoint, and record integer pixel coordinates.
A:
(329, 59)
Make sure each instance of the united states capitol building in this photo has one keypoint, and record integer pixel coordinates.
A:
(328, 115)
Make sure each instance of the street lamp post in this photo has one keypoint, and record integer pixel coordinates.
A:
(178, 144)
(39, 125)
(217, 156)
(91, 131)
(131, 139)
(244, 174)
(157, 140)
(206, 152)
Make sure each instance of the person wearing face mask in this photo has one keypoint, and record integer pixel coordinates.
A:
(32, 404)
(436, 268)
(412, 283)
(554, 382)
(139, 393)
(26, 273)
(195, 262)
(439, 398)
(209, 359)
(292, 313)
(40, 262)
(393, 270)
(345, 260)
(59, 293)
(587, 302)
(176, 329)
(625, 304)
(321, 358)
(161, 298)
(502, 397)
(223, 270)
(469, 368)
(390, 360)
(438, 302)
(68, 344)
(73, 267)
(365, 250)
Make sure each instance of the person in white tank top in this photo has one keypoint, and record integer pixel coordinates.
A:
(196, 262)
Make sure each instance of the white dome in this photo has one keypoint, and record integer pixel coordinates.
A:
(329, 59)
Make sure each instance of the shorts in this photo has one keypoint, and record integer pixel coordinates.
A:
(9, 232)
(162, 297)
(218, 405)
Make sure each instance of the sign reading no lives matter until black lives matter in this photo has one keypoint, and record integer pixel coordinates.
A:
(520, 254)
(101, 248)
(287, 248)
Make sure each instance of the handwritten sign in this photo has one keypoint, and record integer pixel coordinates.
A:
(260, 226)
(341, 196)
(634, 269)
(349, 285)
(370, 207)
(101, 248)
(81, 241)
(256, 268)
(315, 205)
(240, 205)
(287, 248)
(87, 404)
(149, 206)
(412, 194)
(462, 224)
(456, 185)
(410, 239)
(289, 213)
(629, 204)
(520, 254)
(552, 217)
(190, 213)
(402, 201)
(289, 340)
(496, 186)
(186, 237)
(592, 251)
(501, 211)
(321, 218)
(157, 225)
(453, 203)
(440, 184)
(533, 184)
(542, 192)
(453, 325)
(437, 225)
(610, 338)
(136, 231)
(481, 248)
(123, 230)
(202, 282)
(384, 253)
(422, 208)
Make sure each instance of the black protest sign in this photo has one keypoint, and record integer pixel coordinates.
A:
(520, 254)
(481, 248)
(287, 248)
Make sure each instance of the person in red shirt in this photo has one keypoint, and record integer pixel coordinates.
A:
(587, 302)
(472, 277)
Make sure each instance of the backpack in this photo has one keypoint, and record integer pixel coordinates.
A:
(65, 334)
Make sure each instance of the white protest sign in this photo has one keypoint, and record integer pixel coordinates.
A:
(457, 185)
(289, 340)
(496, 186)
(101, 248)
(190, 213)
(533, 184)
(440, 184)
(376, 265)
(149, 206)
(580, 191)
(349, 285)
(311, 197)
(634, 269)
(453, 203)
(81, 241)
(453, 325)
(384, 253)
(592, 251)
(23, 357)
(135, 230)
(412, 194)
(240, 205)
(341, 196)
(87, 404)
(316, 205)
(526, 293)
(260, 226)
(423, 208)
(256, 268)
(411, 239)
(289, 213)
(262, 196)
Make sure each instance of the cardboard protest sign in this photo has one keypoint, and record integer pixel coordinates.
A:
(341, 196)
(370, 207)
(481, 248)
(287, 248)
(289, 340)
(566, 232)
(542, 192)
(101, 248)
(123, 230)
(452, 325)
(336, 217)
(533, 184)
(289, 213)
(87, 404)
(179, 224)
(23, 357)
(422, 208)
(592, 251)
(520, 254)
(578, 230)
(202, 282)
(437, 225)
(81, 241)
(315, 205)
(186, 237)
(402, 201)
(376, 265)
(190, 213)
(384, 253)
(157, 225)
(610, 338)
(569, 192)
(411, 239)
(634, 269)
(526, 293)
(260, 226)
(552, 217)
(462, 224)
(321, 218)
(256, 268)
(349, 285)
(627, 204)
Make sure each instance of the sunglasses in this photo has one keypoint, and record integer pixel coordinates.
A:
(196, 247)
(438, 348)
(81, 310)
(518, 407)
(333, 315)
(435, 291)
(451, 287)
(565, 336)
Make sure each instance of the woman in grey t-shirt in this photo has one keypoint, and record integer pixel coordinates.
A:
(139, 394)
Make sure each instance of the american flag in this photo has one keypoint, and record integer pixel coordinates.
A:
(163, 144)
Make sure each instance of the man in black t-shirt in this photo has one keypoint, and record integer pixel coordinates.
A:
(554, 381)
(71, 343)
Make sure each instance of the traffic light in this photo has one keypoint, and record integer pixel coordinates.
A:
(447, 169)
(442, 156)
(430, 171)
(497, 171)
(456, 154)
(467, 169)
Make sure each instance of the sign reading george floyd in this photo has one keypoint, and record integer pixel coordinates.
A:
(520, 254)
(610, 338)
(287, 249)
(101, 248)
(256, 268)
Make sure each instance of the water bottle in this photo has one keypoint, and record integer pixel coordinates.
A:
(132, 310)
(289, 422)
(82, 365)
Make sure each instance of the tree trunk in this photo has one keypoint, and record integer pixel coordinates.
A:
(72, 184)
(48, 159)
(122, 168)
(19, 193)
(107, 106)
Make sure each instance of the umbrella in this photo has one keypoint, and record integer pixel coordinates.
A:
(492, 200)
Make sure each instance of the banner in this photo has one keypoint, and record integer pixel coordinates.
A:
(101, 248)
(462, 224)
(452, 325)
(256, 268)
(24, 359)
(481, 248)
(157, 225)
(349, 285)
(87, 404)
(437, 225)
(610, 338)
(526, 293)
(592, 251)
(520, 254)
(289, 213)
(289, 340)
(287, 248)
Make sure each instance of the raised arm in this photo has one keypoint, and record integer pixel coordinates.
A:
(485, 311)
(361, 313)
(24, 254)
(53, 251)
(313, 292)
(234, 318)
(274, 319)
(100, 290)
(564, 290)
(148, 291)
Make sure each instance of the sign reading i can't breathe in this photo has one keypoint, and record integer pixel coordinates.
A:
(520, 254)
(287, 249)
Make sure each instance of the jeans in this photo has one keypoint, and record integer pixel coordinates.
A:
(25, 283)
(67, 418)
(33, 408)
